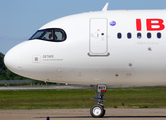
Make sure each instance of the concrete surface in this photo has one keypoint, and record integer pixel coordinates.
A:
(83, 114)
(43, 87)
(58, 87)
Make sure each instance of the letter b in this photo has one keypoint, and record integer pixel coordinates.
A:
(155, 24)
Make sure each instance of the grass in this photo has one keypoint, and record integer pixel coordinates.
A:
(150, 97)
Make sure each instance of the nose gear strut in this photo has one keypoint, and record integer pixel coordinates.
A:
(98, 110)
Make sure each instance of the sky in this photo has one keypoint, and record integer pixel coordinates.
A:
(20, 19)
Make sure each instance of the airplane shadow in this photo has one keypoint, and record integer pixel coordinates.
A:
(107, 117)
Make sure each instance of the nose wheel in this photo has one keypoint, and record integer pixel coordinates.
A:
(98, 110)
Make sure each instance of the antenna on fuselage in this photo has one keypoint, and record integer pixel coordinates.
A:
(105, 7)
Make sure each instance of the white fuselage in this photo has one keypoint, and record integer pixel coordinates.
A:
(92, 52)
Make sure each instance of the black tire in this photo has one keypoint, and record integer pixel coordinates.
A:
(97, 111)
(104, 111)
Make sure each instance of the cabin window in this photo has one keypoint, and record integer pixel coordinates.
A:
(53, 35)
(149, 35)
(129, 35)
(119, 35)
(139, 35)
(159, 35)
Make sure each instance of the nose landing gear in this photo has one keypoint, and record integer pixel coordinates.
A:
(98, 110)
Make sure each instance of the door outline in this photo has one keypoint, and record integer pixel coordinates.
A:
(98, 37)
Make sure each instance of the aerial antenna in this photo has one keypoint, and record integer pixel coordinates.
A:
(105, 7)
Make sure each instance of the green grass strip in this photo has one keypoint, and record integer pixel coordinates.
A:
(145, 97)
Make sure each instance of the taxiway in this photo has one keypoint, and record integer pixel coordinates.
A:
(83, 114)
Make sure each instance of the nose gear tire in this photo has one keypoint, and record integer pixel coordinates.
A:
(97, 111)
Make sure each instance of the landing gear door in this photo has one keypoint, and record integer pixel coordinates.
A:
(98, 43)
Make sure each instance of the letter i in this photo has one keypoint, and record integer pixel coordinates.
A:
(138, 24)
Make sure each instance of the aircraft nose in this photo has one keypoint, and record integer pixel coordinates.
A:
(13, 58)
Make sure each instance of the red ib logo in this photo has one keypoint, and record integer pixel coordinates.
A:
(151, 24)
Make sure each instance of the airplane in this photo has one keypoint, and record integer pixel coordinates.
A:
(100, 48)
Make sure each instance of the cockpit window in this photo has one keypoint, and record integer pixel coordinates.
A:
(54, 35)
(37, 34)
(59, 35)
(48, 35)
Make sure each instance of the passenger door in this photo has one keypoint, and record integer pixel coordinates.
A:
(98, 43)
